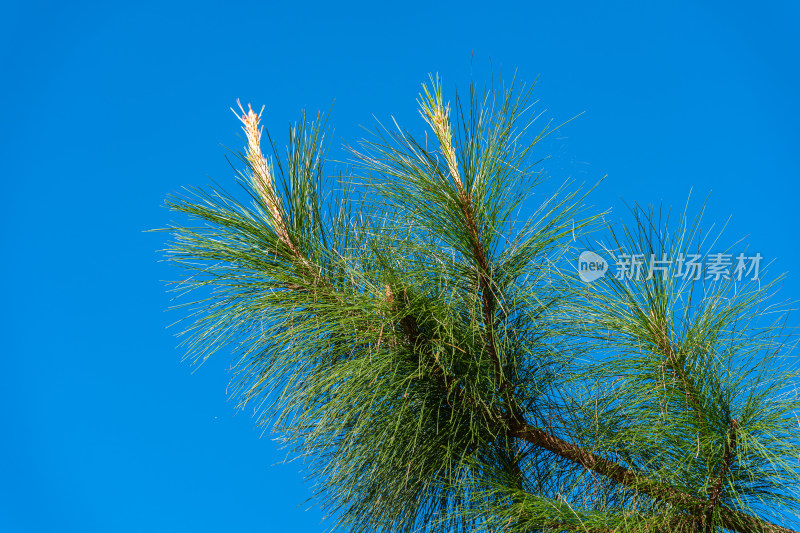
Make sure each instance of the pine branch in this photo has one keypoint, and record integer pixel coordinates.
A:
(413, 381)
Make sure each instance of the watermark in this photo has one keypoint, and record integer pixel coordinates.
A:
(694, 267)
(591, 266)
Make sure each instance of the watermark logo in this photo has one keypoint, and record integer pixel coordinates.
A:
(591, 266)
(694, 267)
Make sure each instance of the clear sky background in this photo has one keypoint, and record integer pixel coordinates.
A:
(108, 107)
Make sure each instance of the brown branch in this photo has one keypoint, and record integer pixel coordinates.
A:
(730, 448)
(487, 295)
(715, 491)
(731, 519)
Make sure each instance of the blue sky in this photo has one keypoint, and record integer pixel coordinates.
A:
(108, 107)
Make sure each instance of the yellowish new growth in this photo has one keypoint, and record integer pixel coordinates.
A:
(438, 116)
(262, 174)
(441, 124)
(389, 294)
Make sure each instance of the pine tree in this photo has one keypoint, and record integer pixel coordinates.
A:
(437, 366)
